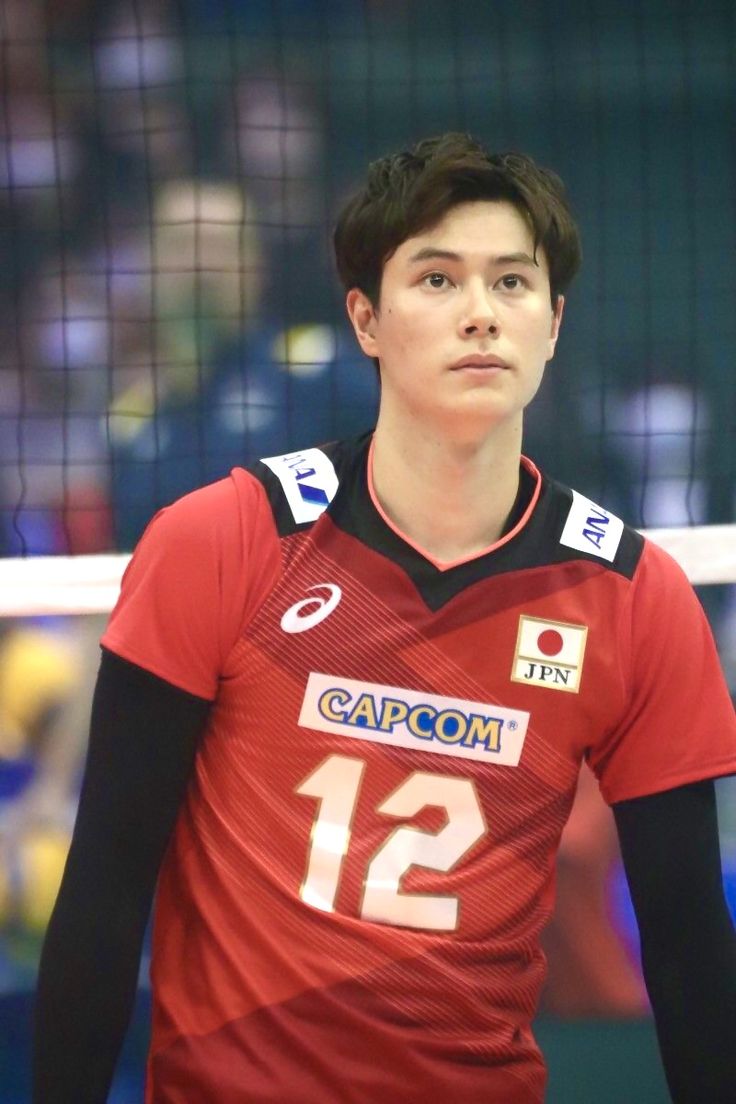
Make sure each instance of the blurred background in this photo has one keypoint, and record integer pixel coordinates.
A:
(169, 174)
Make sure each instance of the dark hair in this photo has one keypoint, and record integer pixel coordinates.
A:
(408, 192)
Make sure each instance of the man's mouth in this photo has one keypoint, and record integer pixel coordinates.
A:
(477, 360)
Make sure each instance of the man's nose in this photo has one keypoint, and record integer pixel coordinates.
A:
(479, 316)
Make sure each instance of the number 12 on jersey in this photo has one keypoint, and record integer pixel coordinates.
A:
(336, 785)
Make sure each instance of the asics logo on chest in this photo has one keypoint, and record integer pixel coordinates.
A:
(295, 620)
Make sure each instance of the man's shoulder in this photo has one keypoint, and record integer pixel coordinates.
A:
(577, 527)
(207, 520)
(655, 557)
(301, 484)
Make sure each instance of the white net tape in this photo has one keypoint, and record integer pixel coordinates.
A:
(90, 584)
(60, 584)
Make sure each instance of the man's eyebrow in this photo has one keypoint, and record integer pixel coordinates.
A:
(431, 253)
(517, 258)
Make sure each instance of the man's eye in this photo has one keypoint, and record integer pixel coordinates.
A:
(512, 281)
(436, 279)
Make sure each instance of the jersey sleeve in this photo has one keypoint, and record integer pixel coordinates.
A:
(678, 724)
(201, 568)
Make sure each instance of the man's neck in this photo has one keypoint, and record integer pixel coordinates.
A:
(450, 498)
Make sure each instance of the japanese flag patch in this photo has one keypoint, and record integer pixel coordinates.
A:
(549, 653)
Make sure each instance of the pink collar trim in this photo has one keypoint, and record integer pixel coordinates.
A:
(439, 564)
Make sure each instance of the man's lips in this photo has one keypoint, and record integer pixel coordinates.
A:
(476, 360)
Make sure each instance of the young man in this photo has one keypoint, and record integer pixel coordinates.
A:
(358, 683)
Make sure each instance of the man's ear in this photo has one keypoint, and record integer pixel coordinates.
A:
(555, 327)
(362, 314)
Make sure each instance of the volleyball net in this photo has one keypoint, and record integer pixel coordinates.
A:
(170, 171)
(59, 585)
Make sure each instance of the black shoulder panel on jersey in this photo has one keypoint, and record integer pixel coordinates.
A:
(302, 486)
(299, 489)
(592, 526)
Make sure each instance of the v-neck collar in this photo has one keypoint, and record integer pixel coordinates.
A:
(524, 503)
(355, 511)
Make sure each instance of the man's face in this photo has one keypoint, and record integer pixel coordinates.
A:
(465, 325)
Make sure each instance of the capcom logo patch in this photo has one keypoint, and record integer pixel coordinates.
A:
(413, 719)
(308, 479)
(549, 653)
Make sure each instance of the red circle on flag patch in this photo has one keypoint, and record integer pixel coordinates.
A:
(550, 642)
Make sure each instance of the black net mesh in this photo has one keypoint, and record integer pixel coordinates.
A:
(169, 172)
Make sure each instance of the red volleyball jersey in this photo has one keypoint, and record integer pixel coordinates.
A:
(351, 904)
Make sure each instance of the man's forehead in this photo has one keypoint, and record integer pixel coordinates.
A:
(484, 229)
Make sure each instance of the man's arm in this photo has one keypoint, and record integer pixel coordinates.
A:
(669, 843)
(143, 737)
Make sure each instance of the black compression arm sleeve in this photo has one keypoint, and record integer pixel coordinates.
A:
(142, 742)
(669, 843)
